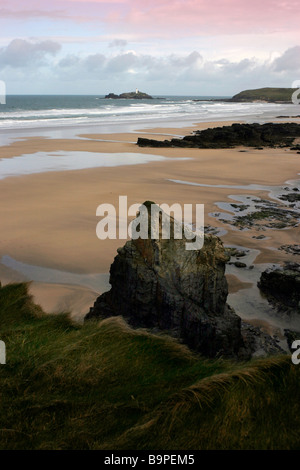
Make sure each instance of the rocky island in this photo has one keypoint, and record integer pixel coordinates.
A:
(133, 95)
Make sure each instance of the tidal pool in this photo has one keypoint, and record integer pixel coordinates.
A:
(41, 162)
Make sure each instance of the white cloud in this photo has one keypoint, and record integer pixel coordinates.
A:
(189, 73)
(21, 52)
(289, 60)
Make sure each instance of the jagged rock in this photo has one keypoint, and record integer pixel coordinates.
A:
(158, 283)
(258, 342)
(291, 336)
(282, 286)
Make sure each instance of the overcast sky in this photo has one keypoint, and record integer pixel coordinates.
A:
(176, 47)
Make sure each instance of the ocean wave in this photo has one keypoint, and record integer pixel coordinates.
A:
(25, 112)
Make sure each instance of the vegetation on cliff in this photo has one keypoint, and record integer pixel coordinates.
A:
(103, 385)
(271, 95)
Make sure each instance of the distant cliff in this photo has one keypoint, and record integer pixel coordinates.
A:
(133, 95)
(271, 95)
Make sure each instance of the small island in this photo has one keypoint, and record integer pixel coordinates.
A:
(132, 95)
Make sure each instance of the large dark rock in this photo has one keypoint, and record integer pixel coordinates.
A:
(112, 96)
(249, 135)
(282, 287)
(291, 336)
(158, 283)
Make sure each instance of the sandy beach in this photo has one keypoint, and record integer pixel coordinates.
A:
(49, 218)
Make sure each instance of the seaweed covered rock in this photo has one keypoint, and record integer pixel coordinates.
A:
(248, 135)
(282, 286)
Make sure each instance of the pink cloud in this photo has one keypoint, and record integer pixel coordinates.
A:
(213, 17)
(170, 18)
(31, 14)
(98, 1)
(166, 18)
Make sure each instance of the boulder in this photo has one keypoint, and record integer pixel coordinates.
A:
(282, 287)
(157, 283)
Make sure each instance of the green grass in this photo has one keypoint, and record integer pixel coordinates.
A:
(103, 385)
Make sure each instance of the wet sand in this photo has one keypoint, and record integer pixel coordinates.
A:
(235, 284)
(49, 219)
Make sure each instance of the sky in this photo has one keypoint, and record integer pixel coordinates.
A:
(161, 47)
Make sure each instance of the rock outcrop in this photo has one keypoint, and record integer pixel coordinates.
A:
(160, 284)
(248, 135)
(282, 287)
(291, 336)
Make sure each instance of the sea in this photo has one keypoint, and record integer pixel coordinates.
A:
(60, 113)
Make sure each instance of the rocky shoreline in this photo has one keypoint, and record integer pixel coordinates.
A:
(248, 135)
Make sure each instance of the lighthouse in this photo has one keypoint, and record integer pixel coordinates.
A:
(136, 91)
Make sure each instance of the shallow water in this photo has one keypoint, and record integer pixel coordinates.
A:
(252, 203)
(274, 191)
(250, 304)
(40, 162)
(55, 276)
